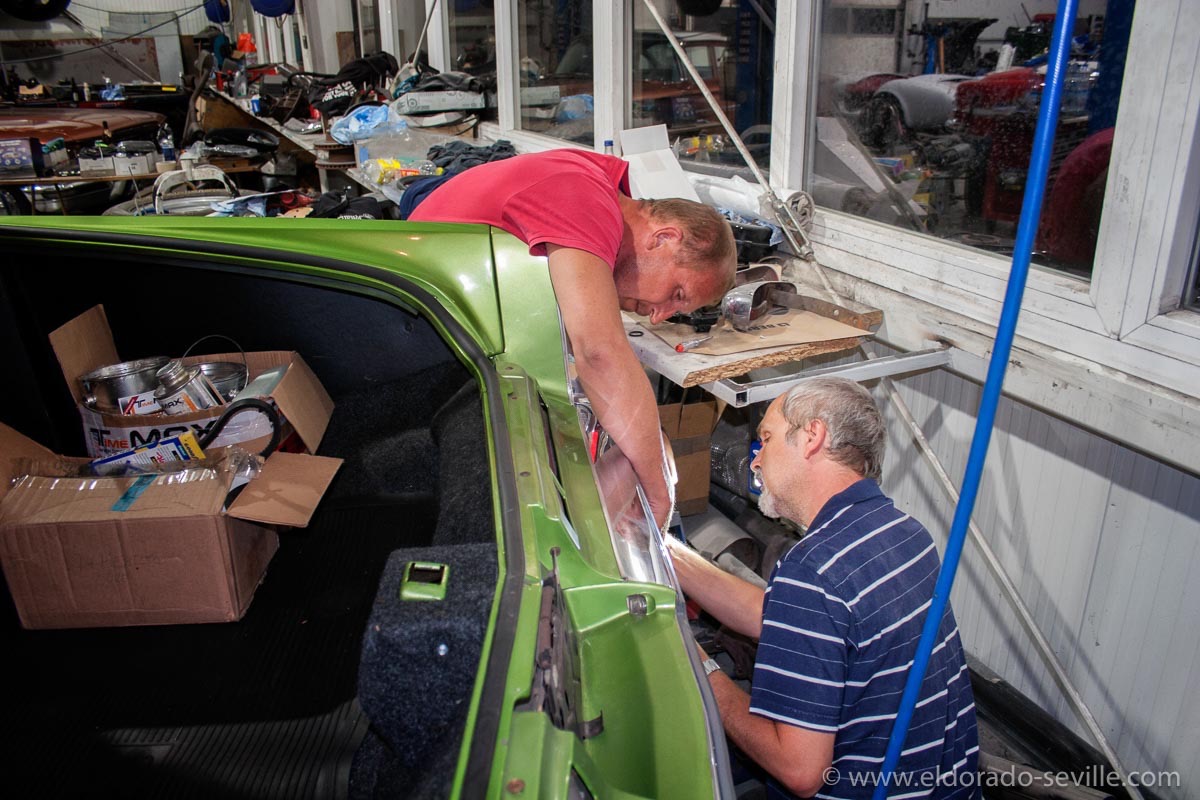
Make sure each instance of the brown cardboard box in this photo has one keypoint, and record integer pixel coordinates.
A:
(690, 427)
(89, 552)
(85, 343)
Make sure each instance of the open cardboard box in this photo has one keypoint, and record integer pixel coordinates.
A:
(689, 427)
(143, 550)
(86, 343)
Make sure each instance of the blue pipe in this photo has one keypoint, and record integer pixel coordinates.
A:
(1031, 207)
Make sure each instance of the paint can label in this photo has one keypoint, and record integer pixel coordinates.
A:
(137, 404)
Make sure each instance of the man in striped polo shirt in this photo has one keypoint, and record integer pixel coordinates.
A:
(839, 622)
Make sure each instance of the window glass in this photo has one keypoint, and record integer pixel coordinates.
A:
(874, 21)
(926, 115)
(731, 45)
(472, 26)
(368, 27)
(556, 72)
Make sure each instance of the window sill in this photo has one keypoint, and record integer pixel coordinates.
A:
(1057, 310)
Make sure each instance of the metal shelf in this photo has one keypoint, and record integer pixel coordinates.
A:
(660, 357)
(743, 394)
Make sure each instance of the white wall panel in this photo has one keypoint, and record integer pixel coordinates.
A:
(1104, 544)
(190, 23)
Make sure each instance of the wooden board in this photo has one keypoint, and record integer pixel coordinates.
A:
(694, 369)
(759, 359)
(806, 327)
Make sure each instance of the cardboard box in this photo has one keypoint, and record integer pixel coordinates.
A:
(85, 344)
(654, 171)
(148, 550)
(100, 166)
(689, 427)
(134, 164)
(424, 102)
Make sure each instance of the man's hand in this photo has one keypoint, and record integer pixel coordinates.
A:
(610, 373)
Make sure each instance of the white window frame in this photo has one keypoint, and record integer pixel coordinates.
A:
(1121, 336)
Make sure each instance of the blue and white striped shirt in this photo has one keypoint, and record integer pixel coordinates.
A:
(842, 617)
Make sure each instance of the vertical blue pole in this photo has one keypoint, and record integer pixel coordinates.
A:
(1031, 207)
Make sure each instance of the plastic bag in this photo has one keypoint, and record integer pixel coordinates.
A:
(360, 123)
(576, 106)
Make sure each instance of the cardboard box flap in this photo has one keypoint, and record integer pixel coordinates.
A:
(654, 171)
(305, 403)
(286, 491)
(82, 345)
(14, 445)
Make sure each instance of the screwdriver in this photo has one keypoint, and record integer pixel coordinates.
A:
(689, 344)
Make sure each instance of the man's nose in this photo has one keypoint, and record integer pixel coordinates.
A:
(659, 314)
(756, 462)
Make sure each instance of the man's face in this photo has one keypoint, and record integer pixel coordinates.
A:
(781, 465)
(654, 285)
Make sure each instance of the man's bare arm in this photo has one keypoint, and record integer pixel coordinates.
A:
(796, 757)
(610, 373)
(733, 601)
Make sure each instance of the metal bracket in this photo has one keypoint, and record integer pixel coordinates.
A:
(744, 394)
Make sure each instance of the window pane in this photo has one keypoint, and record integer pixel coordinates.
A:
(472, 25)
(932, 129)
(368, 27)
(875, 21)
(732, 48)
(556, 72)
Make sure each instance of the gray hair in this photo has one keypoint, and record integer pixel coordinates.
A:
(856, 433)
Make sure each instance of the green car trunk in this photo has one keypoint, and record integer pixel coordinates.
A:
(516, 660)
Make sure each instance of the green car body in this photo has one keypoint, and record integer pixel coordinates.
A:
(638, 720)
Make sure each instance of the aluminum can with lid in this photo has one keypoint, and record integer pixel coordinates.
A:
(183, 390)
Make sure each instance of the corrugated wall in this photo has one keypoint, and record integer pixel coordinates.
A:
(1104, 544)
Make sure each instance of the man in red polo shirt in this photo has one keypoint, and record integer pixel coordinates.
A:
(606, 252)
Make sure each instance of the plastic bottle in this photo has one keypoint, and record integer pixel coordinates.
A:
(240, 84)
(608, 147)
(398, 141)
(1076, 88)
(166, 143)
(386, 170)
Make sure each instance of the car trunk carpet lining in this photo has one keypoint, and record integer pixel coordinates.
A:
(263, 707)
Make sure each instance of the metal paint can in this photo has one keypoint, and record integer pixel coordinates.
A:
(126, 388)
(227, 377)
(183, 390)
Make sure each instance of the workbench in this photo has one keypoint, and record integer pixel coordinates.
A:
(234, 112)
(753, 376)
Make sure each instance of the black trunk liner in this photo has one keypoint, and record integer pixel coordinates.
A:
(263, 707)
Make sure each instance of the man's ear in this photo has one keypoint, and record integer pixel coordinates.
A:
(665, 234)
(813, 440)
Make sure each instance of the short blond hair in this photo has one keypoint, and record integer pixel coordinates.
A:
(707, 236)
